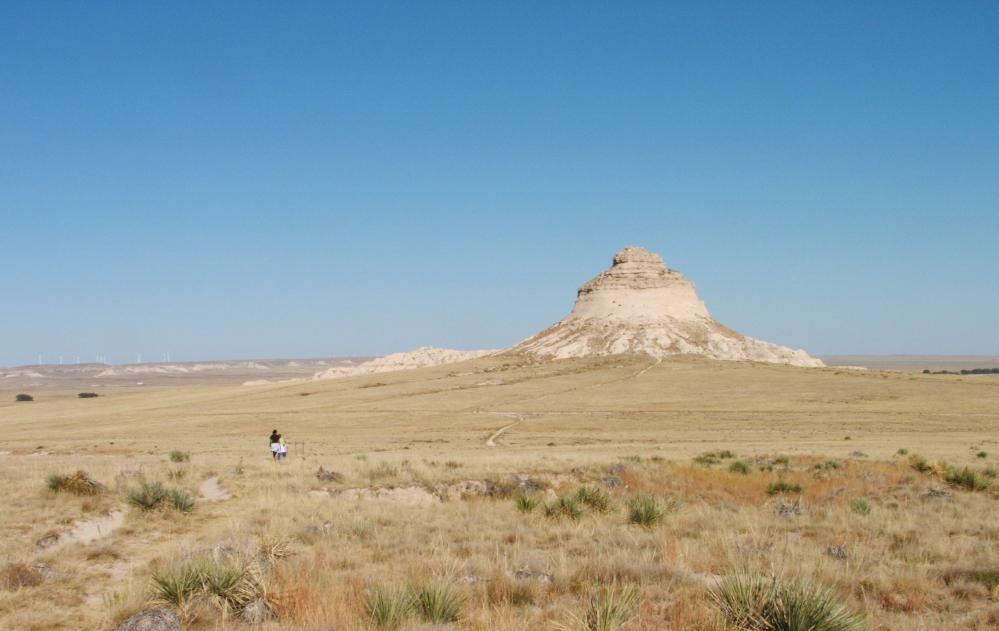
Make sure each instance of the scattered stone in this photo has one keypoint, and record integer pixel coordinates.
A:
(257, 612)
(47, 540)
(786, 508)
(837, 552)
(937, 494)
(329, 476)
(613, 482)
(526, 573)
(458, 490)
(157, 619)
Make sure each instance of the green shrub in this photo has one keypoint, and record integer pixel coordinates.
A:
(860, 505)
(181, 500)
(79, 483)
(966, 478)
(783, 486)
(565, 506)
(525, 502)
(88, 395)
(919, 463)
(24, 397)
(982, 454)
(707, 459)
(782, 460)
(725, 454)
(229, 585)
(739, 466)
(177, 474)
(645, 510)
(439, 603)
(594, 498)
(388, 607)
(902, 452)
(611, 607)
(828, 465)
(179, 456)
(759, 603)
(153, 495)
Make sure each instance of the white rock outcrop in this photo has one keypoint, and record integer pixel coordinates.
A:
(641, 306)
(420, 358)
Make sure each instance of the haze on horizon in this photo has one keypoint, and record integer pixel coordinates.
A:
(252, 181)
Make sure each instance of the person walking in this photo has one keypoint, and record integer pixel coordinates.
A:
(283, 448)
(275, 442)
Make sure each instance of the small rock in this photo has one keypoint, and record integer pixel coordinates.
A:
(526, 573)
(837, 552)
(50, 539)
(613, 482)
(157, 619)
(257, 612)
(329, 476)
(937, 494)
(786, 508)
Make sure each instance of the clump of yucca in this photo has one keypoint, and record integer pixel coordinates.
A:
(594, 498)
(227, 584)
(966, 478)
(525, 502)
(783, 486)
(645, 510)
(153, 495)
(609, 608)
(388, 607)
(439, 602)
(740, 466)
(920, 463)
(79, 483)
(860, 505)
(752, 603)
(179, 456)
(565, 506)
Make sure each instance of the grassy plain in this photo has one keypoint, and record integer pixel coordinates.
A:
(424, 507)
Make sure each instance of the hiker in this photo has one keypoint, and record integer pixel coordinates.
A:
(275, 443)
(282, 448)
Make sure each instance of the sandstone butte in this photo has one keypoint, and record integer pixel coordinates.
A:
(641, 306)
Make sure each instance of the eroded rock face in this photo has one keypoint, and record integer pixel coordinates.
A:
(641, 306)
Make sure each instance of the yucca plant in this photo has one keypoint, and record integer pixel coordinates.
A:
(783, 486)
(596, 499)
(181, 500)
(752, 603)
(177, 584)
(79, 483)
(565, 506)
(147, 496)
(966, 478)
(645, 510)
(439, 602)
(525, 502)
(229, 585)
(388, 607)
(860, 505)
(740, 466)
(611, 607)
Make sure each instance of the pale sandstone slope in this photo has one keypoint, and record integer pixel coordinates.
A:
(419, 358)
(641, 306)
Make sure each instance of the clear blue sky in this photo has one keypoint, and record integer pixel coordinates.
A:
(255, 179)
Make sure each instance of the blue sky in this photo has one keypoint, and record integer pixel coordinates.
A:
(259, 180)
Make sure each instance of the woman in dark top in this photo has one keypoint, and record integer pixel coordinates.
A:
(275, 443)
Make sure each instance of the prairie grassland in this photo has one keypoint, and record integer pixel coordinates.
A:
(804, 475)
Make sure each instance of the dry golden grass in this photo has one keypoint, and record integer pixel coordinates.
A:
(913, 562)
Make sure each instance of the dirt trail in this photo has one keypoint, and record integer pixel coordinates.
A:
(522, 416)
(491, 441)
(89, 530)
(211, 491)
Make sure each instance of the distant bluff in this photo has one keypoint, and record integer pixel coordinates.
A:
(641, 306)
